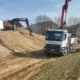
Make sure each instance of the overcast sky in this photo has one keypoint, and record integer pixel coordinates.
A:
(31, 8)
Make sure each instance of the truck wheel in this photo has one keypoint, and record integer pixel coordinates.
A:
(74, 48)
(65, 52)
(47, 53)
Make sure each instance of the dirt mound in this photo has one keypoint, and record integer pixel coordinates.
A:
(20, 54)
(19, 41)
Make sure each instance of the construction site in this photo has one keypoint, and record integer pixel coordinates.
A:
(26, 55)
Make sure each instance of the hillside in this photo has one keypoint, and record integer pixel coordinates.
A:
(22, 58)
(19, 41)
(17, 51)
(64, 68)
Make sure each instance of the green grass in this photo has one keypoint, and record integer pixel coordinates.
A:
(74, 75)
(78, 38)
(44, 70)
(64, 68)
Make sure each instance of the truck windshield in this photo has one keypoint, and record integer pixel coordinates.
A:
(54, 35)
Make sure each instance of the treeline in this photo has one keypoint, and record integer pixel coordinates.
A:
(44, 22)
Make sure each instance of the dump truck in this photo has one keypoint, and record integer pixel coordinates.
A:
(60, 40)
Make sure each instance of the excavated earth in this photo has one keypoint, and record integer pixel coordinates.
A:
(21, 55)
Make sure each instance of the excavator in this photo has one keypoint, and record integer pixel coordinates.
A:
(15, 23)
(12, 24)
(60, 41)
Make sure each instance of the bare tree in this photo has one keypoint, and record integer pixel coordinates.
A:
(73, 20)
(44, 22)
(43, 18)
(57, 20)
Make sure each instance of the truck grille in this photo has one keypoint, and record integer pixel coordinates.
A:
(53, 46)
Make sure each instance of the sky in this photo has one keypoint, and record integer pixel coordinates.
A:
(32, 8)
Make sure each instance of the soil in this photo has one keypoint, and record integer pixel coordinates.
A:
(21, 55)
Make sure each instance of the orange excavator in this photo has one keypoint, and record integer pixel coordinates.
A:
(15, 23)
(11, 24)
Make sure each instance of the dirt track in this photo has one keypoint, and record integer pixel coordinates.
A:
(20, 54)
(18, 67)
(78, 46)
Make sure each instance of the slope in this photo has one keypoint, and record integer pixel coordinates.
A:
(22, 58)
(19, 41)
(64, 68)
(18, 52)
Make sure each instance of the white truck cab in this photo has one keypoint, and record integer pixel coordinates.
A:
(57, 41)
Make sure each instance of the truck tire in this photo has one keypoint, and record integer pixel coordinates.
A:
(65, 52)
(47, 53)
(73, 48)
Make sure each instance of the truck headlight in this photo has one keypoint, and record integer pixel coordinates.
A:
(62, 47)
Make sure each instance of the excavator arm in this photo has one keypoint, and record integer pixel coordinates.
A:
(20, 19)
(64, 12)
(9, 25)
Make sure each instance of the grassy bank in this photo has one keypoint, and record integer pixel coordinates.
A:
(64, 68)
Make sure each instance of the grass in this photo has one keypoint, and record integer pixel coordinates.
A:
(64, 68)
(78, 38)
(45, 69)
(74, 75)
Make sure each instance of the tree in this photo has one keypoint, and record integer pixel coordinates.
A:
(73, 20)
(43, 18)
(44, 22)
(57, 20)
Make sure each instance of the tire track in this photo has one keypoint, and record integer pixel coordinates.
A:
(20, 70)
(22, 67)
